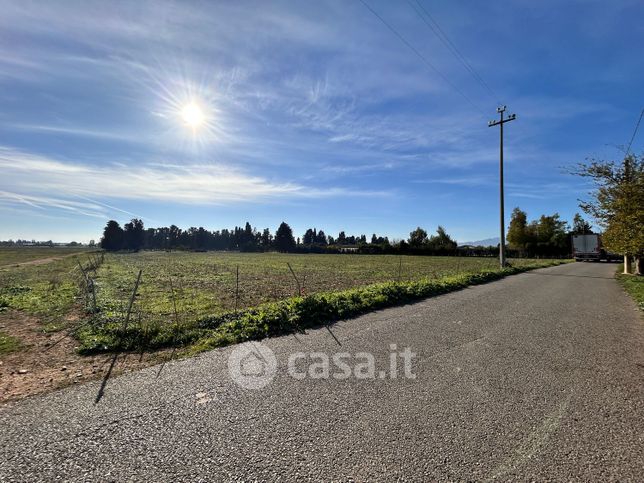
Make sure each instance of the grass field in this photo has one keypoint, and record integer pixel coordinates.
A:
(206, 287)
(13, 255)
(206, 283)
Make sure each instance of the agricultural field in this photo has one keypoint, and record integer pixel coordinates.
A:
(208, 283)
(203, 284)
(44, 287)
(15, 255)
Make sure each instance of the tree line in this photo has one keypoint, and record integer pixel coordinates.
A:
(547, 236)
(134, 236)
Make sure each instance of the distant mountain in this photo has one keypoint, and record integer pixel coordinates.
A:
(484, 243)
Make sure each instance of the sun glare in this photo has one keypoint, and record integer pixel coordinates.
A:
(192, 115)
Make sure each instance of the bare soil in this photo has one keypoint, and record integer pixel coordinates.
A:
(48, 361)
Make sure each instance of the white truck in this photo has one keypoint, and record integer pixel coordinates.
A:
(587, 247)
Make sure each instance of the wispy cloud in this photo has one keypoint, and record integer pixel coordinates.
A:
(39, 181)
(540, 190)
(78, 131)
(44, 203)
(458, 180)
(359, 168)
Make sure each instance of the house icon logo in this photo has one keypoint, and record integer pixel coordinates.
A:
(252, 365)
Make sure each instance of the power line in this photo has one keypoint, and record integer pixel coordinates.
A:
(422, 57)
(435, 27)
(635, 132)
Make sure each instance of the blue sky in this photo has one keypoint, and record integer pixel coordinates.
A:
(316, 113)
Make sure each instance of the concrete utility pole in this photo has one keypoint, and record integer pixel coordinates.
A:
(502, 121)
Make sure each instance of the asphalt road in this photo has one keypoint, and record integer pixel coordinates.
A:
(537, 376)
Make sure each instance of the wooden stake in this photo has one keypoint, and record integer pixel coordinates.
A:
(93, 289)
(129, 308)
(174, 303)
(237, 289)
(299, 287)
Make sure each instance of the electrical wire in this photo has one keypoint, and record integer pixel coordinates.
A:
(435, 27)
(423, 58)
(635, 132)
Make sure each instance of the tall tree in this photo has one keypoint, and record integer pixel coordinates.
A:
(267, 238)
(284, 241)
(112, 236)
(320, 238)
(552, 234)
(518, 230)
(417, 238)
(580, 226)
(201, 238)
(442, 240)
(249, 234)
(133, 235)
(174, 234)
(308, 237)
(618, 205)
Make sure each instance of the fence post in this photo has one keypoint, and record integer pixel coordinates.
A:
(299, 287)
(237, 289)
(129, 308)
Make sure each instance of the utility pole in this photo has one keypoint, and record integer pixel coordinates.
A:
(500, 123)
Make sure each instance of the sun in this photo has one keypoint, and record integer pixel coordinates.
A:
(193, 115)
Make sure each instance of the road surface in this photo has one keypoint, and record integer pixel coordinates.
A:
(537, 376)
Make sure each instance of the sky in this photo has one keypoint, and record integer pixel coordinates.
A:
(340, 115)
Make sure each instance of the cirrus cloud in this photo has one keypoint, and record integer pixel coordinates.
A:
(39, 181)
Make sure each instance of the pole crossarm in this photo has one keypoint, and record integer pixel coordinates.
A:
(511, 117)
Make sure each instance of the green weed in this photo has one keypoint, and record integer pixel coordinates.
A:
(634, 286)
(8, 343)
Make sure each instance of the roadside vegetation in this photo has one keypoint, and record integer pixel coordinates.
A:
(634, 286)
(545, 236)
(618, 205)
(8, 343)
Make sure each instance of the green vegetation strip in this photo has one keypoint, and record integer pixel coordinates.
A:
(634, 286)
(8, 343)
(276, 318)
